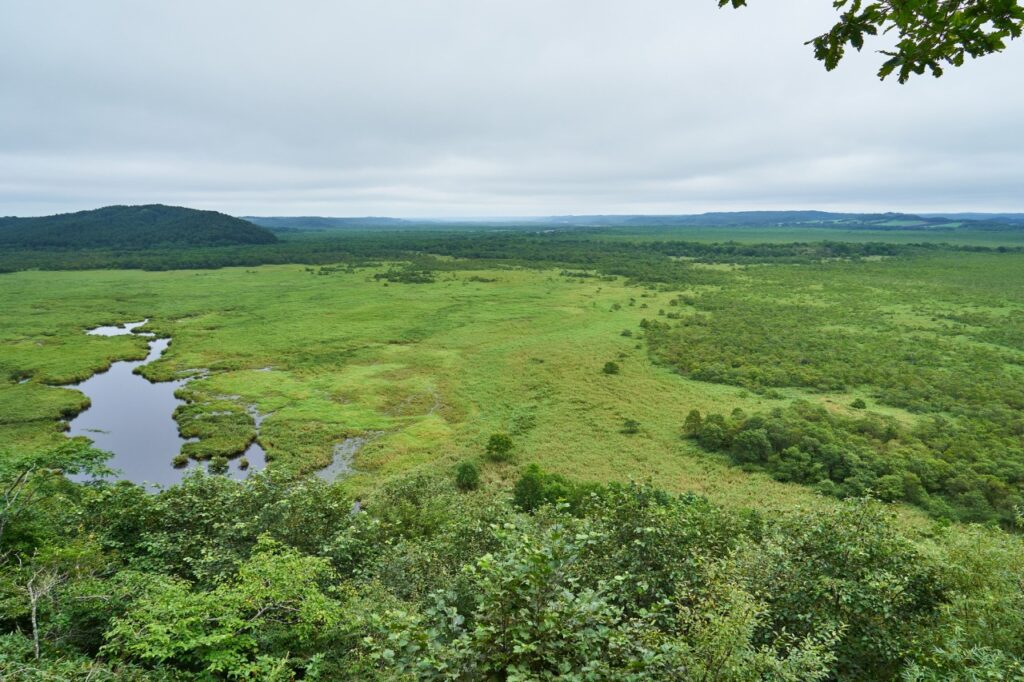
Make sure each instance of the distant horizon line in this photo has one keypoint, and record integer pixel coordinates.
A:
(543, 216)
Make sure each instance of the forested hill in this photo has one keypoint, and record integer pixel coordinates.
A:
(132, 227)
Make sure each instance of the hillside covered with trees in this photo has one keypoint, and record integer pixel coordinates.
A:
(131, 227)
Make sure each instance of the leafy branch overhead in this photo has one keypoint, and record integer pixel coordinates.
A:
(931, 33)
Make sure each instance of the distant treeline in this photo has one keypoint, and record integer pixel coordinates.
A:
(661, 261)
(740, 219)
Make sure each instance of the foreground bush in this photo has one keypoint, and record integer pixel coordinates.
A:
(277, 579)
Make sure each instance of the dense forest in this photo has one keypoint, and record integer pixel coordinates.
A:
(130, 227)
(650, 260)
(278, 579)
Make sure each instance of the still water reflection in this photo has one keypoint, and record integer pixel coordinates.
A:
(132, 418)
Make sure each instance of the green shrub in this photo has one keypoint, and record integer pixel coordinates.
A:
(536, 487)
(611, 368)
(499, 448)
(467, 476)
(692, 424)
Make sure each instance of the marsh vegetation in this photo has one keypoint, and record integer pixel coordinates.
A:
(592, 455)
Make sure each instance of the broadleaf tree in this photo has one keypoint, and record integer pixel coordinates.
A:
(930, 34)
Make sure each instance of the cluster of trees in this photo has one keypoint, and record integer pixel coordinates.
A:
(277, 579)
(791, 252)
(406, 275)
(924, 342)
(660, 262)
(952, 470)
(837, 345)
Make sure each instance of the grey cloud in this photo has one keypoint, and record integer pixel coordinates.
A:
(483, 107)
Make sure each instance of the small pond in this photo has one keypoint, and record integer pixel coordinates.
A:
(132, 418)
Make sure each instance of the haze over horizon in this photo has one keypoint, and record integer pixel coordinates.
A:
(465, 109)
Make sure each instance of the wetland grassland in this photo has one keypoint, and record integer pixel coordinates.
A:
(432, 369)
(807, 464)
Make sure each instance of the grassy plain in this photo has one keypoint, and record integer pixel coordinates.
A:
(429, 371)
(434, 369)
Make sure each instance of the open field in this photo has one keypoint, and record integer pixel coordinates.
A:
(436, 368)
(430, 370)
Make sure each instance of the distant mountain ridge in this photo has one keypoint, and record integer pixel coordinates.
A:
(142, 226)
(861, 221)
(988, 217)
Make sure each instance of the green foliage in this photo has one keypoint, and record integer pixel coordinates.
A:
(852, 456)
(276, 602)
(467, 476)
(610, 367)
(536, 487)
(499, 448)
(203, 528)
(277, 579)
(931, 35)
(27, 478)
(954, 663)
(692, 424)
(18, 662)
(218, 465)
(559, 579)
(852, 568)
(407, 275)
(938, 351)
(546, 604)
(638, 257)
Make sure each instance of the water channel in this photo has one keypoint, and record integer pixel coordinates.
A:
(133, 418)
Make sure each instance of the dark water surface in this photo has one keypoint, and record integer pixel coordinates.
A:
(132, 418)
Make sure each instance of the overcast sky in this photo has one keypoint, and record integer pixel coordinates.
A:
(484, 108)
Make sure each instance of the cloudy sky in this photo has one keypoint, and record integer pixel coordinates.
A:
(484, 108)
